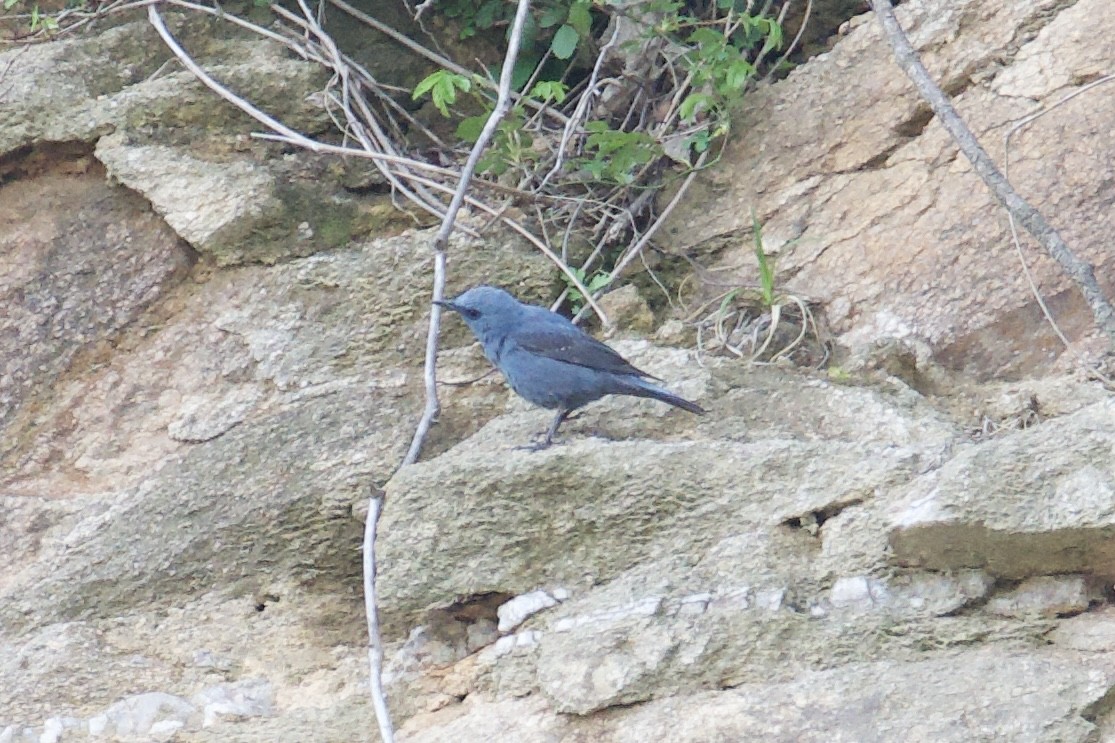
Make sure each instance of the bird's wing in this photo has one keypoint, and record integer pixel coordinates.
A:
(574, 346)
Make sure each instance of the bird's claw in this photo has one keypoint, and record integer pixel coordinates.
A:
(540, 442)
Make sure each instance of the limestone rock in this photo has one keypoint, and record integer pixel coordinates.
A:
(187, 436)
(1038, 502)
(330, 371)
(844, 165)
(1048, 595)
(947, 698)
(1092, 632)
(629, 496)
(627, 309)
(58, 298)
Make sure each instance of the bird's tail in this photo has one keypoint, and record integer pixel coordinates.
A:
(642, 388)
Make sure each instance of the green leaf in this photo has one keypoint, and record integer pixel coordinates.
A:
(774, 36)
(575, 296)
(442, 87)
(524, 68)
(738, 72)
(425, 85)
(662, 6)
(700, 140)
(549, 90)
(565, 42)
(488, 14)
(470, 128)
(693, 103)
(767, 292)
(580, 18)
(599, 281)
(492, 163)
(552, 17)
(8, 4)
(707, 38)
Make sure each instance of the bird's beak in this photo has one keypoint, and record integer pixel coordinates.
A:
(446, 304)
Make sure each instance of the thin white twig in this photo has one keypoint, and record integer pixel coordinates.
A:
(441, 241)
(375, 644)
(269, 121)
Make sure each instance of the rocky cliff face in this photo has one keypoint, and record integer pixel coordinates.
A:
(877, 215)
(211, 354)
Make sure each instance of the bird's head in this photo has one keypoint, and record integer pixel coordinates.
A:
(484, 308)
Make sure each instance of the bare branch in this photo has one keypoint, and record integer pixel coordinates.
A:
(1078, 270)
(441, 241)
(272, 123)
(375, 644)
(188, 62)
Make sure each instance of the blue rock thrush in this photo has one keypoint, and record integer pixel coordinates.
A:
(548, 360)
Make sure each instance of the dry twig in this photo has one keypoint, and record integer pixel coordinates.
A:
(375, 641)
(1026, 121)
(441, 241)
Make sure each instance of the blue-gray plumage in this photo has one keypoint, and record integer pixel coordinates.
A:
(548, 360)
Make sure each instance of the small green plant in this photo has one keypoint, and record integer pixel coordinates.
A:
(616, 154)
(512, 147)
(549, 91)
(577, 300)
(442, 87)
(719, 63)
(762, 323)
(596, 143)
(720, 38)
(39, 21)
(767, 294)
(42, 21)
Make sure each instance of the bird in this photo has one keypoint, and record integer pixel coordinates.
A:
(549, 361)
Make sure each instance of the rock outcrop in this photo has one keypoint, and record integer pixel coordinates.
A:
(872, 210)
(210, 355)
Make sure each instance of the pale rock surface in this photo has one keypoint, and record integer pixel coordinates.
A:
(872, 210)
(1038, 502)
(1048, 697)
(224, 194)
(1050, 596)
(193, 419)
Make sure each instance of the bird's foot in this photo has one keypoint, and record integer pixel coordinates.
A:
(540, 441)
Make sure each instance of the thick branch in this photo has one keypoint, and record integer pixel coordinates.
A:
(1078, 270)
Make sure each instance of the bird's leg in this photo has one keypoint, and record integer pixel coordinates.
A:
(562, 413)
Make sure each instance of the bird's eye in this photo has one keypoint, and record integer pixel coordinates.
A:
(470, 313)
